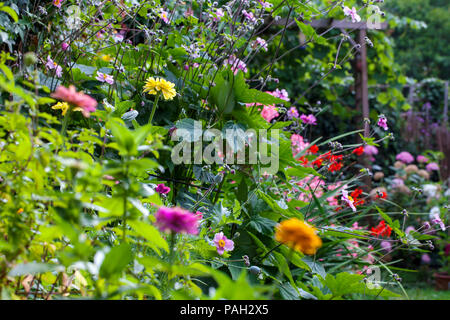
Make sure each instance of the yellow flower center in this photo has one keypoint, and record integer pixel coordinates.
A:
(221, 243)
(351, 199)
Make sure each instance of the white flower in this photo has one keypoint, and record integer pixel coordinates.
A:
(430, 190)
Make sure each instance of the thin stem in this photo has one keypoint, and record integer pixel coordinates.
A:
(155, 105)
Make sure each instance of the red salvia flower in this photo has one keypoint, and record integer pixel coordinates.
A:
(314, 149)
(358, 151)
(381, 230)
(303, 160)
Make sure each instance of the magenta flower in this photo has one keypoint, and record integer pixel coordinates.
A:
(222, 243)
(382, 122)
(57, 3)
(433, 166)
(405, 157)
(352, 13)
(292, 113)
(422, 159)
(103, 77)
(176, 220)
(50, 65)
(308, 119)
(269, 112)
(77, 99)
(260, 43)
(161, 188)
(425, 258)
(64, 46)
(386, 245)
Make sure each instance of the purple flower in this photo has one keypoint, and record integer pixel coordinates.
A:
(64, 46)
(425, 258)
(386, 245)
(397, 182)
(405, 157)
(50, 65)
(371, 151)
(176, 220)
(161, 188)
(437, 220)
(249, 16)
(422, 159)
(292, 113)
(382, 122)
(222, 243)
(102, 77)
(260, 43)
(308, 119)
(236, 64)
(433, 166)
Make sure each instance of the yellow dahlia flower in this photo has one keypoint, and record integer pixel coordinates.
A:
(64, 106)
(156, 85)
(298, 235)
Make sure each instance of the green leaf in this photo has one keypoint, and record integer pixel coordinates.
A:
(151, 234)
(116, 261)
(34, 268)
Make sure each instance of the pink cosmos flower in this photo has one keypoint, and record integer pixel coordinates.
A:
(433, 166)
(161, 188)
(164, 16)
(281, 94)
(50, 65)
(269, 112)
(382, 122)
(308, 119)
(292, 113)
(405, 157)
(102, 77)
(249, 16)
(260, 43)
(176, 220)
(422, 159)
(347, 199)
(437, 220)
(352, 13)
(222, 243)
(78, 99)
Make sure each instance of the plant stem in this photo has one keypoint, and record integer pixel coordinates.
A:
(65, 122)
(155, 105)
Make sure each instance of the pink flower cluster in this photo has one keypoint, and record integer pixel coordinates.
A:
(405, 157)
(433, 166)
(308, 119)
(236, 64)
(177, 220)
(371, 151)
(269, 112)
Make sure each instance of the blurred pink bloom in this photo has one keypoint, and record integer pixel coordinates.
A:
(218, 15)
(405, 157)
(370, 150)
(64, 46)
(432, 166)
(199, 215)
(161, 188)
(382, 122)
(249, 16)
(176, 220)
(425, 258)
(397, 182)
(269, 112)
(222, 243)
(422, 159)
(189, 12)
(57, 3)
(308, 119)
(292, 113)
(259, 42)
(386, 245)
(437, 220)
(103, 77)
(298, 144)
(281, 94)
(78, 99)
(352, 13)
(236, 64)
